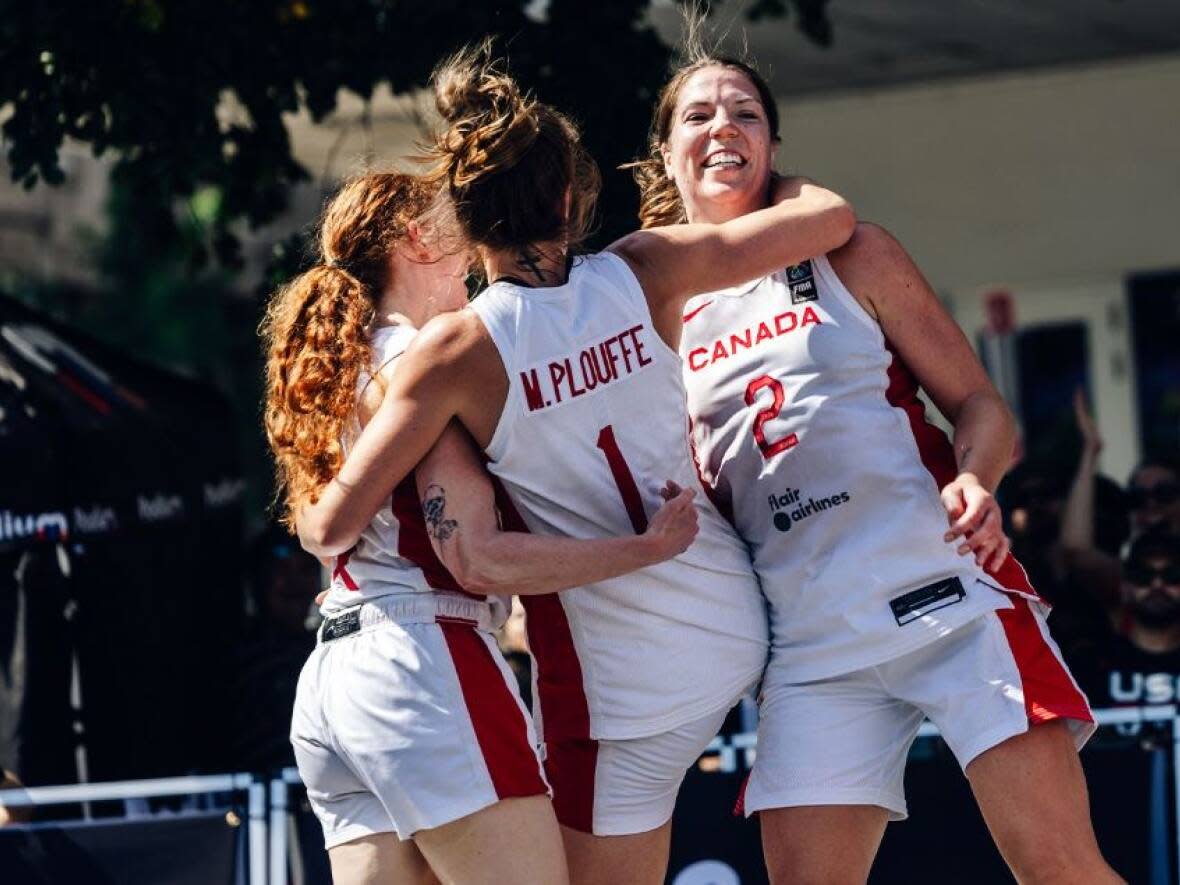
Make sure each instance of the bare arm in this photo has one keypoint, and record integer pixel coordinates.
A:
(1077, 520)
(430, 387)
(459, 506)
(887, 283)
(676, 262)
(1080, 560)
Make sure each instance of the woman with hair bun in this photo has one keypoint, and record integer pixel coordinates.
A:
(408, 729)
(564, 371)
(877, 542)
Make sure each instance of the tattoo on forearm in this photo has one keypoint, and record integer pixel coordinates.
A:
(434, 508)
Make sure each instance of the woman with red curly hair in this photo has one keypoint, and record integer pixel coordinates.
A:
(409, 733)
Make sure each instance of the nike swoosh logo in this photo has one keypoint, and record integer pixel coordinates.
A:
(692, 313)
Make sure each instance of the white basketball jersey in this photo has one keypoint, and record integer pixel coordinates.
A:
(393, 556)
(593, 425)
(810, 428)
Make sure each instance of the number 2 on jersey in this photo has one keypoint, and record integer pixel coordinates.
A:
(769, 448)
(624, 481)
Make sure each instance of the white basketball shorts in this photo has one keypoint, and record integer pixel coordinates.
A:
(408, 720)
(844, 740)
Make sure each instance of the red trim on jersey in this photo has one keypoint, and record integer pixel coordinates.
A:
(341, 572)
(739, 806)
(571, 755)
(934, 448)
(692, 313)
(938, 456)
(499, 723)
(721, 504)
(1049, 691)
(413, 543)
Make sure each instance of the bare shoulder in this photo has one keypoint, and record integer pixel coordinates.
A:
(876, 268)
(870, 246)
(456, 337)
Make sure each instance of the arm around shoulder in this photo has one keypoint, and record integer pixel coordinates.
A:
(423, 394)
(676, 262)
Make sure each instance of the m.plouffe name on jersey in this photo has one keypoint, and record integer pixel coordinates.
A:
(789, 508)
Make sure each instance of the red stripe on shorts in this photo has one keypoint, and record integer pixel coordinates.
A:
(1049, 690)
(499, 723)
(570, 765)
(571, 756)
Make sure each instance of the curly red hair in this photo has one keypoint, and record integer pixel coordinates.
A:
(315, 331)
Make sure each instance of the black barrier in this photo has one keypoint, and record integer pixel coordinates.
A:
(189, 849)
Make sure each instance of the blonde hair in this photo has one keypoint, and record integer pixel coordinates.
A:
(315, 330)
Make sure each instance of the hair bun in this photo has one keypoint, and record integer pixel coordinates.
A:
(490, 123)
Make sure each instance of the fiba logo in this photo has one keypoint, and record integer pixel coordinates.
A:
(797, 272)
(708, 872)
(789, 507)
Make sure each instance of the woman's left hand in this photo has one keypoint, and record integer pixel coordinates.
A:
(975, 517)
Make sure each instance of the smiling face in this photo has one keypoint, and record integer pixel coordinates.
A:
(719, 148)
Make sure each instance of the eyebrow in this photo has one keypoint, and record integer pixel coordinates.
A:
(743, 100)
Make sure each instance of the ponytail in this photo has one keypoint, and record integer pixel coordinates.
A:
(316, 331)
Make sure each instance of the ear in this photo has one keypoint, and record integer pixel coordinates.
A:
(417, 240)
(666, 154)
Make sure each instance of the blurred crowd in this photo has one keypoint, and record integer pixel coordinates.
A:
(1107, 556)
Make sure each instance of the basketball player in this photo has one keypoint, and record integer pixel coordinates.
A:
(408, 730)
(565, 373)
(879, 546)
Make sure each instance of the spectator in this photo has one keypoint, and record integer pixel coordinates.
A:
(1154, 490)
(1095, 525)
(1033, 498)
(283, 582)
(1143, 666)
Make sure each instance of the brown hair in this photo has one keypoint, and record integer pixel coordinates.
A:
(315, 331)
(659, 200)
(508, 160)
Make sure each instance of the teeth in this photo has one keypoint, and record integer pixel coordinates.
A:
(725, 158)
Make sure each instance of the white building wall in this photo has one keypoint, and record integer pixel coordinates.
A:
(1052, 184)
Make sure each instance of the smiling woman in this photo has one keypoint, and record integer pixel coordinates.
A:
(726, 90)
(877, 542)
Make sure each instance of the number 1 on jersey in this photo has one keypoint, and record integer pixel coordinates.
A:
(769, 449)
(624, 481)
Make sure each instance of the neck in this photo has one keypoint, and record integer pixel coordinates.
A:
(721, 211)
(1155, 639)
(409, 299)
(535, 264)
